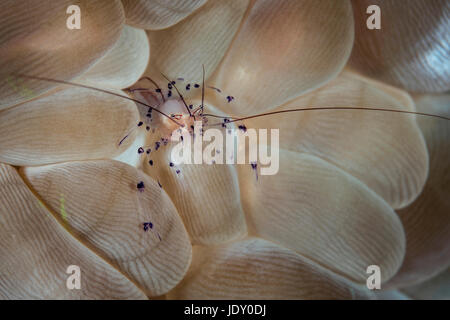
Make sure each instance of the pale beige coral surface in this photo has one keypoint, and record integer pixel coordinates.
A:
(355, 188)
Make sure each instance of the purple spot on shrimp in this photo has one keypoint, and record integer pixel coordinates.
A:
(178, 171)
(140, 186)
(148, 151)
(140, 150)
(147, 225)
(159, 184)
(157, 145)
(196, 85)
(140, 123)
(243, 128)
(254, 167)
(230, 98)
(150, 162)
(171, 164)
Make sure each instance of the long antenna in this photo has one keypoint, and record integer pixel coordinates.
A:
(203, 86)
(234, 119)
(323, 108)
(97, 89)
(201, 107)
